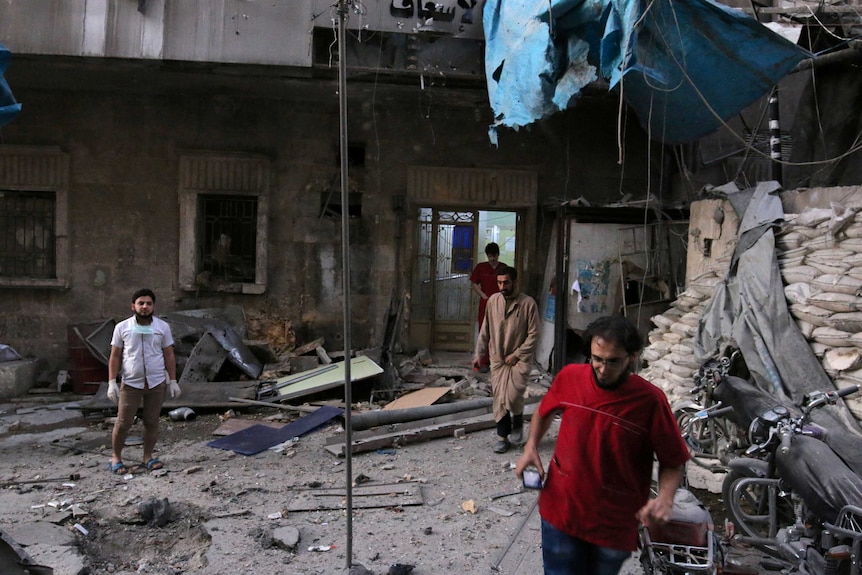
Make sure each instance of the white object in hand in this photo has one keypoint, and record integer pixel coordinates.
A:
(175, 389)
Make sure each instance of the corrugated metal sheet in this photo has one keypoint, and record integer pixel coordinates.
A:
(43, 26)
(471, 187)
(273, 32)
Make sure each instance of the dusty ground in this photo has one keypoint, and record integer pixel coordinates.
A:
(227, 507)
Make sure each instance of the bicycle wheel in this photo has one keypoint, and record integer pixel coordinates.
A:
(748, 507)
(708, 439)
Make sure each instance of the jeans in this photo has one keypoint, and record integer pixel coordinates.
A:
(566, 555)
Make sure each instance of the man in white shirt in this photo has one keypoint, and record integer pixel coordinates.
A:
(142, 350)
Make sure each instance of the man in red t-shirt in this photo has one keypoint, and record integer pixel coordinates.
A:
(597, 487)
(483, 281)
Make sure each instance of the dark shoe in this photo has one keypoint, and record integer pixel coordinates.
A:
(517, 436)
(502, 446)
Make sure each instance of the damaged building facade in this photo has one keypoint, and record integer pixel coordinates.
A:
(193, 147)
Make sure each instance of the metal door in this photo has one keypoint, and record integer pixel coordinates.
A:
(449, 244)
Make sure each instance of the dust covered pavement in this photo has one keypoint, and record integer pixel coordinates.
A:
(230, 513)
(215, 512)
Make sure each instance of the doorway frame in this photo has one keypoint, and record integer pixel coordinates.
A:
(480, 189)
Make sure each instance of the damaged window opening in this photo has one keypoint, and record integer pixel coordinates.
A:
(229, 237)
(224, 199)
(330, 204)
(27, 246)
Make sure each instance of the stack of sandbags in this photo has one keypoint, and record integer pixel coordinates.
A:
(669, 354)
(820, 256)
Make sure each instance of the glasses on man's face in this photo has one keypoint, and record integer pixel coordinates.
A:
(612, 363)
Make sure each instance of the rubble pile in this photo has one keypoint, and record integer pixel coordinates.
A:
(819, 254)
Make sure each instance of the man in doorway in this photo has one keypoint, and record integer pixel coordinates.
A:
(508, 336)
(142, 350)
(483, 281)
(597, 487)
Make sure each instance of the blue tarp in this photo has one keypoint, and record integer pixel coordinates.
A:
(9, 108)
(684, 66)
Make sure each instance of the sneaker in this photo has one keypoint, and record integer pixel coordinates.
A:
(517, 436)
(502, 446)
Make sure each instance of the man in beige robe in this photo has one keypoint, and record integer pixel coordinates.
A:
(509, 335)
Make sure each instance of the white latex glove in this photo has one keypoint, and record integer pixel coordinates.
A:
(175, 389)
(113, 391)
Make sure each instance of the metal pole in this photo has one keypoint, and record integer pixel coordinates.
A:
(345, 280)
(562, 295)
(775, 136)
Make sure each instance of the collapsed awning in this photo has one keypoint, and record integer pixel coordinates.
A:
(9, 107)
(684, 66)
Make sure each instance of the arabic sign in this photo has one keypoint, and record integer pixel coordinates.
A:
(456, 18)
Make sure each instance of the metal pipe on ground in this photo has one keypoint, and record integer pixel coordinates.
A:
(369, 419)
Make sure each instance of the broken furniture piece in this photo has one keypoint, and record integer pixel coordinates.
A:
(321, 379)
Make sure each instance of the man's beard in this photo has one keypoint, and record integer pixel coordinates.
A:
(613, 385)
(143, 319)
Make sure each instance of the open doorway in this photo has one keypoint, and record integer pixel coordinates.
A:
(449, 244)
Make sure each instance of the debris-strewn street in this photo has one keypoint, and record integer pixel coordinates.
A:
(442, 505)
(445, 505)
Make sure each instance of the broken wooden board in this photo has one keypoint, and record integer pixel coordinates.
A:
(418, 398)
(419, 430)
(203, 395)
(235, 424)
(303, 349)
(325, 377)
(417, 435)
(364, 497)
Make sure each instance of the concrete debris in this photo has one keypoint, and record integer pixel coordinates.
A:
(286, 537)
(156, 512)
(423, 358)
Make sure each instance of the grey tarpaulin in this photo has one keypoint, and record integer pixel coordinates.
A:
(749, 312)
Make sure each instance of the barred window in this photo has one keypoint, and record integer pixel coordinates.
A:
(229, 237)
(34, 217)
(223, 222)
(27, 234)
